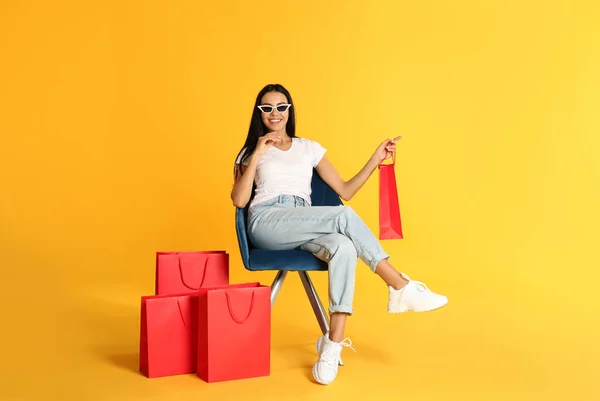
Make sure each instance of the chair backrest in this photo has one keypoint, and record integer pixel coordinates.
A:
(321, 195)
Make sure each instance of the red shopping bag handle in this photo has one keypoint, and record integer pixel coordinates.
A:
(393, 158)
(232, 314)
(187, 326)
(392, 163)
(183, 276)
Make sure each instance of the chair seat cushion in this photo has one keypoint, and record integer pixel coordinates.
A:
(263, 259)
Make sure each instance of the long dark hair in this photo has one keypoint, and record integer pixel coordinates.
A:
(258, 129)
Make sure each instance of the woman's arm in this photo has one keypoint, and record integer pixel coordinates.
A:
(244, 175)
(347, 189)
(244, 179)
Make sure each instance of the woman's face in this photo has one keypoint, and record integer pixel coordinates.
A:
(276, 118)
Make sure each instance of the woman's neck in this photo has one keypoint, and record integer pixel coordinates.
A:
(285, 138)
(285, 141)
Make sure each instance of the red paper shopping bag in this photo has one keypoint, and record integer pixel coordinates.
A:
(390, 224)
(234, 335)
(169, 327)
(169, 333)
(180, 272)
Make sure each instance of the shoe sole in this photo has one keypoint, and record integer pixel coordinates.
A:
(404, 310)
(317, 379)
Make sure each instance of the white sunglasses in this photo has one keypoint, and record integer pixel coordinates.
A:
(267, 109)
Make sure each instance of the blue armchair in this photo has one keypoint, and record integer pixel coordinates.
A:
(285, 261)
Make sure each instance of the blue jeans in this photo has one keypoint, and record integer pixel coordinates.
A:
(334, 234)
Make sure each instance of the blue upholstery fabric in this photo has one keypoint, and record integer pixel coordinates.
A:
(262, 259)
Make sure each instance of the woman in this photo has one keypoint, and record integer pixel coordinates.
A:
(280, 217)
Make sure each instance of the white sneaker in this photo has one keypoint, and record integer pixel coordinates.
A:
(414, 297)
(321, 342)
(326, 368)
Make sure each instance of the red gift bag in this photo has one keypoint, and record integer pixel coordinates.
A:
(390, 224)
(234, 337)
(180, 272)
(169, 333)
(169, 327)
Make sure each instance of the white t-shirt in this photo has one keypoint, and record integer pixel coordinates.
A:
(286, 172)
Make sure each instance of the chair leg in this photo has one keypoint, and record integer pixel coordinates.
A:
(276, 286)
(315, 302)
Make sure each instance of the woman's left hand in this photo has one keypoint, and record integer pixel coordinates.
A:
(385, 150)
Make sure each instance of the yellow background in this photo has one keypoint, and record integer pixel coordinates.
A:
(119, 123)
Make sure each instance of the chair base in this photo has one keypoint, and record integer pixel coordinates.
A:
(311, 292)
(313, 297)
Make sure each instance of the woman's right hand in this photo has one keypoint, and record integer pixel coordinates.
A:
(265, 142)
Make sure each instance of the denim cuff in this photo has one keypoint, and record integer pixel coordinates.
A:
(378, 258)
(341, 308)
